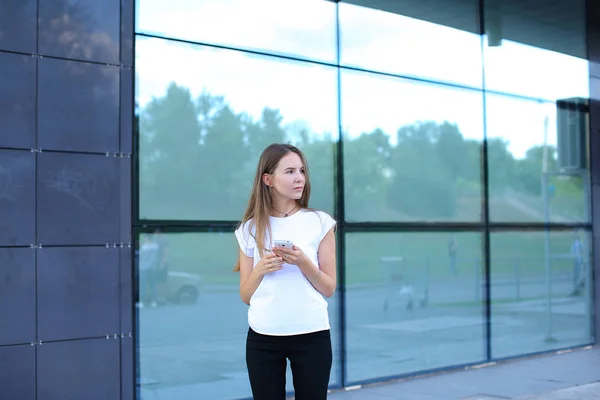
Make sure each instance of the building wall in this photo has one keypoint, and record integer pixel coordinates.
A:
(65, 199)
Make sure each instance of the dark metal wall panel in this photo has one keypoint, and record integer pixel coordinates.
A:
(18, 26)
(78, 369)
(65, 199)
(17, 296)
(80, 29)
(17, 372)
(17, 100)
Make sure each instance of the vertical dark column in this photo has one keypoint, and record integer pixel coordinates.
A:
(126, 150)
(593, 35)
(65, 199)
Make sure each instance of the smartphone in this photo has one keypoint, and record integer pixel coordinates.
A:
(283, 243)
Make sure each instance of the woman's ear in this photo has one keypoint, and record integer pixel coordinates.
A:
(266, 178)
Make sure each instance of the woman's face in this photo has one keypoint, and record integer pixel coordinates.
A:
(288, 179)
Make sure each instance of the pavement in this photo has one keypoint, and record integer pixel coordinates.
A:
(566, 375)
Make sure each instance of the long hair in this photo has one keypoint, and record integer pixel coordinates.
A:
(261, 200)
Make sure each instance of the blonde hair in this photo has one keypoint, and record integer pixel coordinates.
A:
(261, 200)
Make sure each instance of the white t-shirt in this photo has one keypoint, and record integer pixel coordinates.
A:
(285, 302)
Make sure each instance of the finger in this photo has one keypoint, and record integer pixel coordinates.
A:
(284, 252)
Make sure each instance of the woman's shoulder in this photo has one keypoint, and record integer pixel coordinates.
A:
(321, 222)
(323, 216)
(318, 212)
(246, 226)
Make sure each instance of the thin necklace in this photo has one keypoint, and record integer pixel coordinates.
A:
(285, 214)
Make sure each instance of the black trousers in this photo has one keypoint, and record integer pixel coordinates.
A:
(310, 360)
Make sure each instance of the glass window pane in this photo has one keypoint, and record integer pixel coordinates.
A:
(536, 50)
(192, 344)
(412, 151)
(526, 181)
(426, 38)
(540, 291)
(303, 29)
(203, 125)
(414, 302)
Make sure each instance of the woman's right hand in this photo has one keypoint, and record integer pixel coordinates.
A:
(271, 262)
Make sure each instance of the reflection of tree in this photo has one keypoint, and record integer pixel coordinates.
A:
(169, 155)
(197, 159)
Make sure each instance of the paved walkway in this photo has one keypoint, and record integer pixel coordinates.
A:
(572, 375)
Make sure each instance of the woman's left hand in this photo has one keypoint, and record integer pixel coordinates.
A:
(294, 256)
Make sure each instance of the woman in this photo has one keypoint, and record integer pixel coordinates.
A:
(284, 287)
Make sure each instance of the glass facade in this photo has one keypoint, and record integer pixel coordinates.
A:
(448, 138)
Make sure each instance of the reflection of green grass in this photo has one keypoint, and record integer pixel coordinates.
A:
(212, 255)
(429, 251)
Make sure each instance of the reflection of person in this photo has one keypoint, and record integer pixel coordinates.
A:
(578, 264)
(162, 266)
(284, 288)
(452, 253)
(148, 264)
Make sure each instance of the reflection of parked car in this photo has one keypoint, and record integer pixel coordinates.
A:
(180, 287)
(183, 288)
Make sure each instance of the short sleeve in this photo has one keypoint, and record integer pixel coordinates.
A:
(327, 222)
(245, 239)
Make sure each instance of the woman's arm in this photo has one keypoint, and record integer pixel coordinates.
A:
(250, 277)
(249, 281)
(324, 278)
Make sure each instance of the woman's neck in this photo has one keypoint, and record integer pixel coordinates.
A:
(284, 208)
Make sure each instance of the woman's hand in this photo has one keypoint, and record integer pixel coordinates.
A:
(271, 262)
(294, 256)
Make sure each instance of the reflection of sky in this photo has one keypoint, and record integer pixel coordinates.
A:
(301, 91)
(370, 39)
